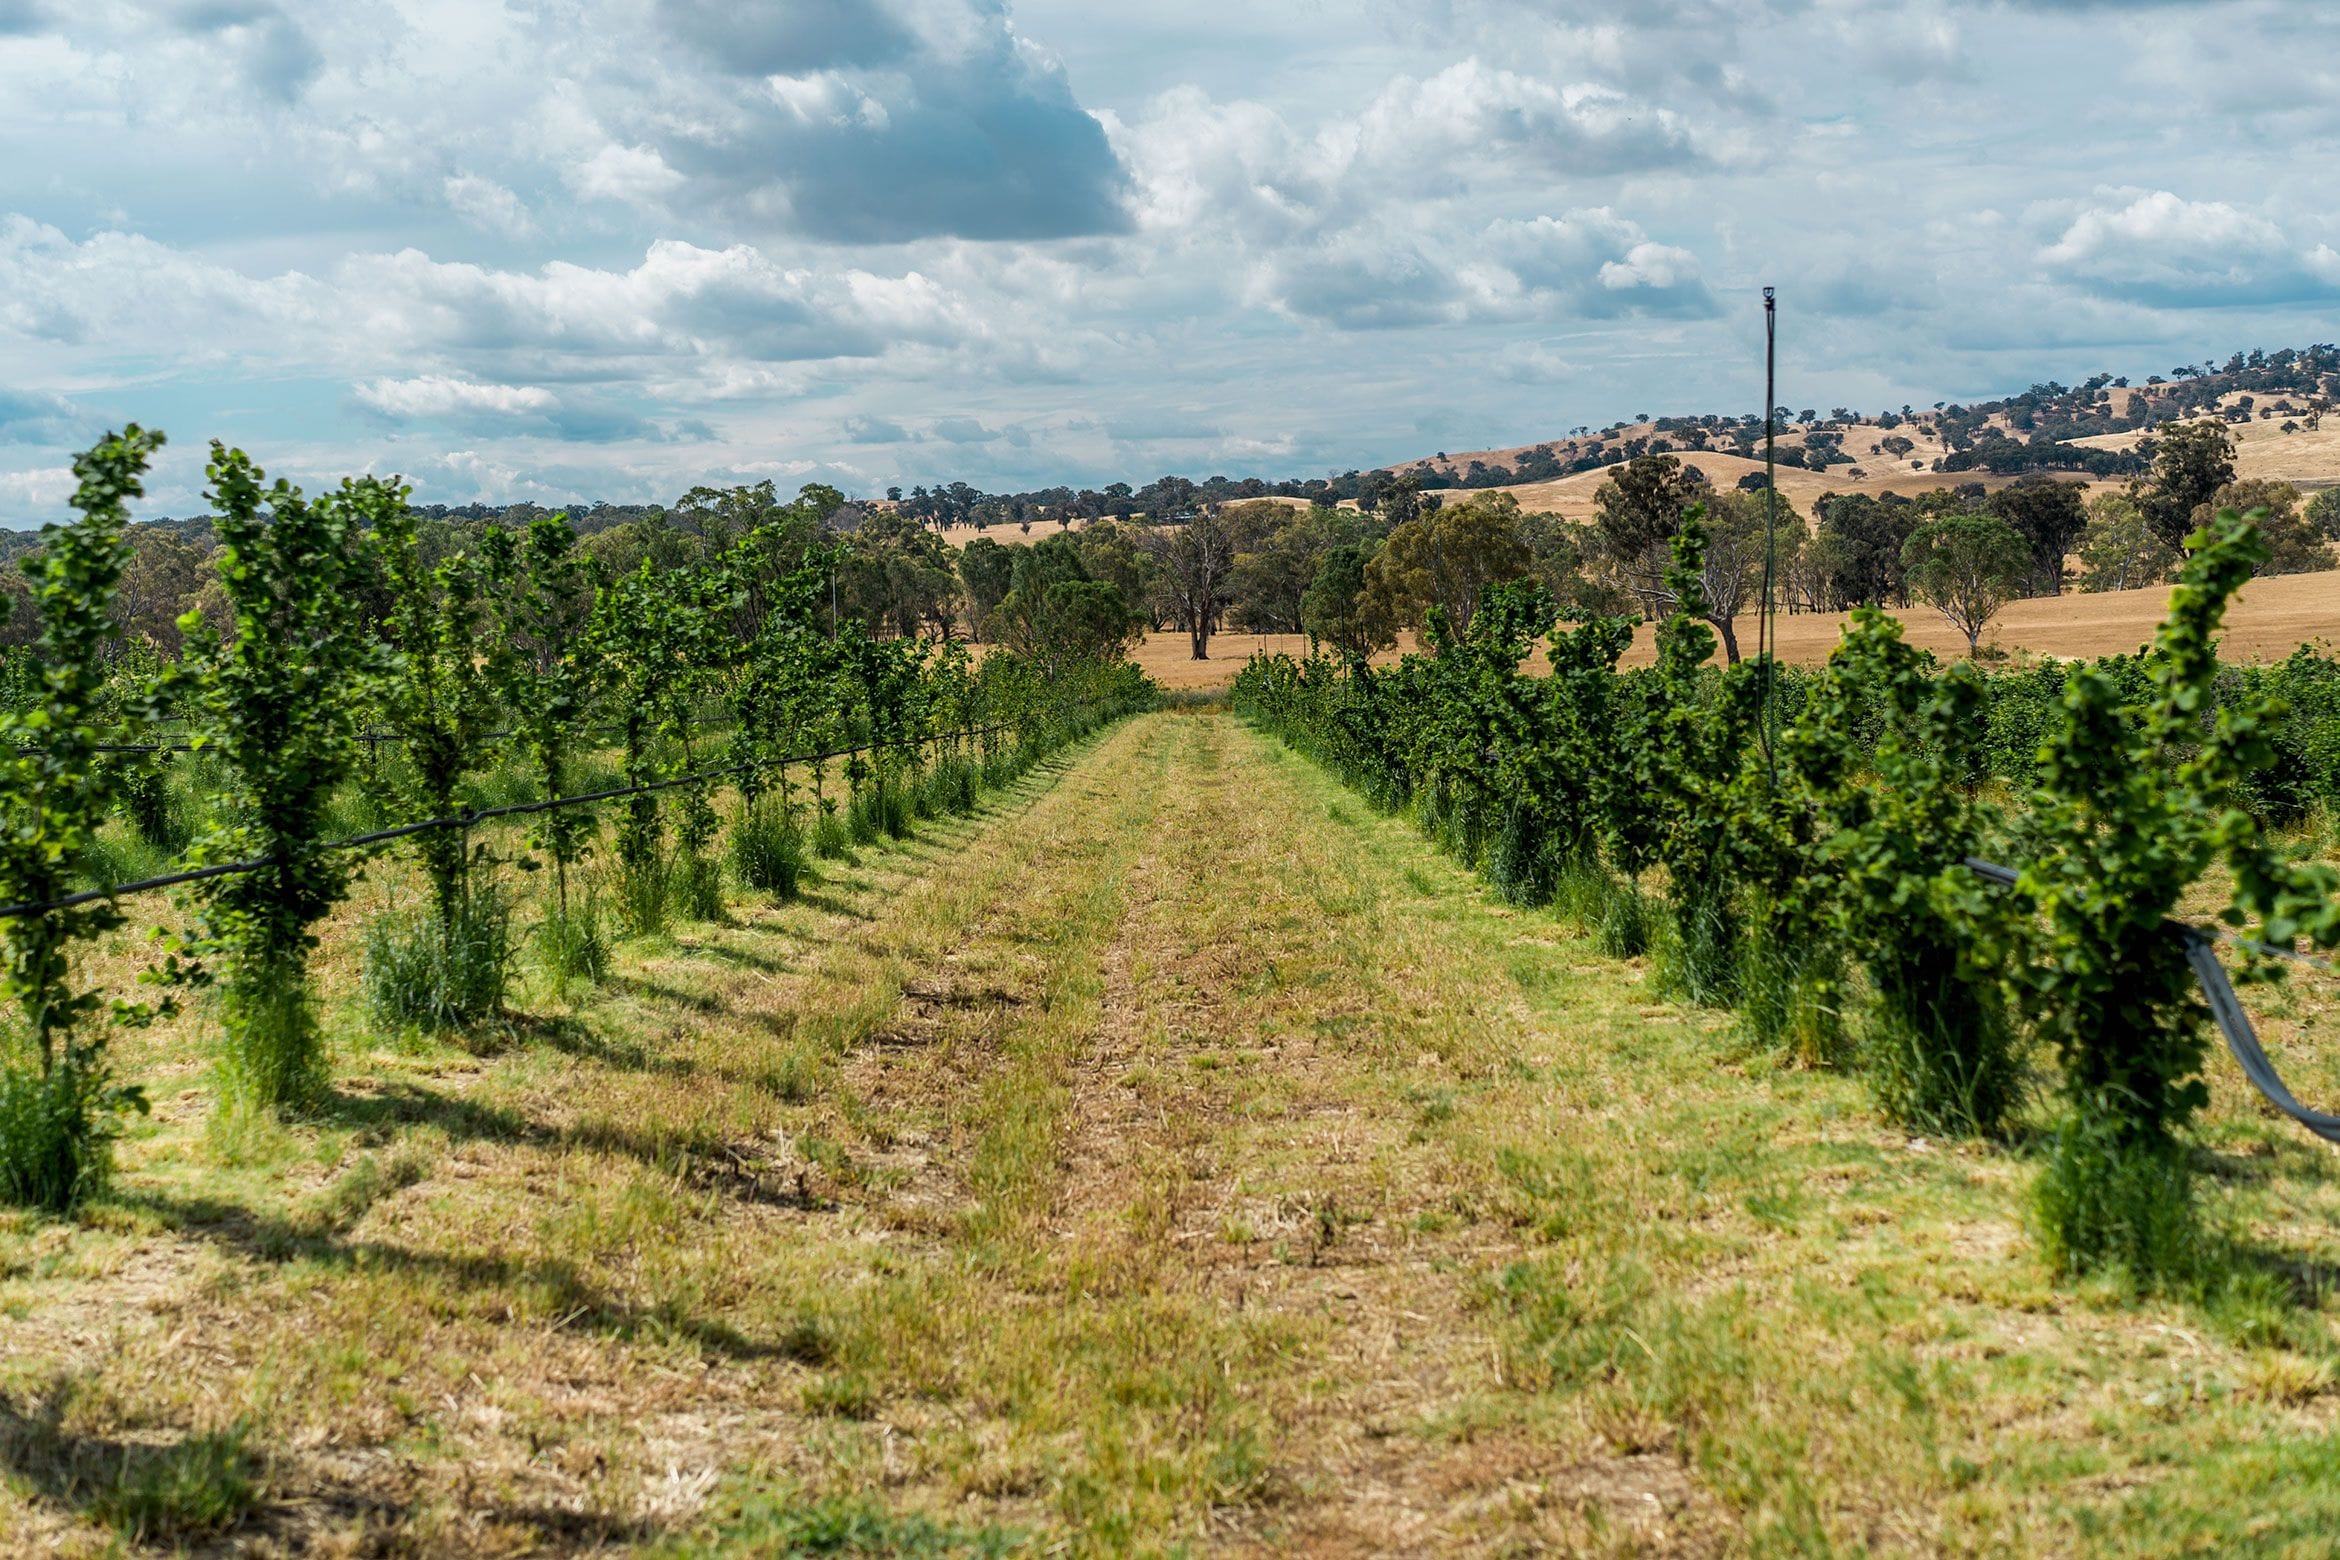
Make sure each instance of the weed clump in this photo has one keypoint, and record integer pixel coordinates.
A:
(434, 972)
(768, 847)
(58, 1126)
(572, 944)
(2109, 1199)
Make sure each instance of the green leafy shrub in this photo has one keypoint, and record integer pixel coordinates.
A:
(2138, 796)
(1939, 1045)
(279, 701)
(60, 1110)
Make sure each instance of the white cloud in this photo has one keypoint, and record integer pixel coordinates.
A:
(681, 302)
(488, 206)
(637, 175)
(436, 395)
(2159, 248)
(823, 222)
(37, 494)
(1583, 265)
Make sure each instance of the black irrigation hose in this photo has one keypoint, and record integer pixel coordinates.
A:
(466, 820)
(369, 737)
(2225, 1006)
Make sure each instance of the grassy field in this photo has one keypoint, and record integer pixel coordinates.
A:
(2270, 619)
(1176, 1157)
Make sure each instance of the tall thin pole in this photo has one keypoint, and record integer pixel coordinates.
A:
(1766, 618)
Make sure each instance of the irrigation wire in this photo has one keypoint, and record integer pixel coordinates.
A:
(485, 814)
(369, 737)
(2226, 1008)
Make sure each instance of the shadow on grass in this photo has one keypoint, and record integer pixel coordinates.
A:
(574, 1037)
(204, 1490)
(673, 1149)
(552, 1287)
(742, 958)
(701, 1002)
(831, 904)
(166, 1492)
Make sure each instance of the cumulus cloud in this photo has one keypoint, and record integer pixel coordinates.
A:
(2159, 248)
(783, 40)
(35, 417)
(1597, 264)
(1242, 164)
(499, 410)
(1472, 109)
(681, 305)
(636, 175)
(962, 430)
(276, 57)
(847, 125)
(437, 395)
(1585, 265)
(33, 494)
(488, 206)
(875, 430)
(1362, 281)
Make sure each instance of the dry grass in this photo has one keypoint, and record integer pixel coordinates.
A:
(1174, 1158)
(2270, 619)
(2263, 449)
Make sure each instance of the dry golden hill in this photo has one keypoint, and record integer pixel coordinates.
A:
(1572, 496)
(2305, 458)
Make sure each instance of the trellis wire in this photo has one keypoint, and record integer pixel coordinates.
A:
(484, 814)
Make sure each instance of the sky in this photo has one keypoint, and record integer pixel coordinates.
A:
(559, 251)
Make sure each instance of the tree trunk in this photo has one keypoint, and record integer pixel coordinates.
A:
(1723, 627)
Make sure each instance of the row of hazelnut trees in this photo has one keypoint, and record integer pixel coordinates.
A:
(359, 690)
(1811, 868)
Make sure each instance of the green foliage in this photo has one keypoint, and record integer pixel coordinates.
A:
(546, 674)
(58, 1126)
(768, 847)
(2191, 462)
(1337, 609)
(1824, 879)
(1968, 566)
(641, 885)
(280, 701)
(1686, 753)
(570, 942)
(59, 1109)
(1892, 845)
(695, 884)
(651, 634)
(426, 971)
(2109, 1199)
(2133, 806)
(437, 690)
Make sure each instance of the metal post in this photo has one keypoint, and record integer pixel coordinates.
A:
(1766, 618)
